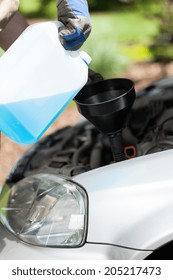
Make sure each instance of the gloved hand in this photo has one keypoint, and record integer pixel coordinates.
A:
(94, 77)
(7, 10)
(74, 15)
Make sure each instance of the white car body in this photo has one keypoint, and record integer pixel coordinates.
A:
(130, 213)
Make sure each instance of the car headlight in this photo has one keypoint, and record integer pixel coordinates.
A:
(45, 210)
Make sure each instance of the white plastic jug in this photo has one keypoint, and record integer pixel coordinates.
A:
(38, 78)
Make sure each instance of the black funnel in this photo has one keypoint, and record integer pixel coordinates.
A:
(106, 104)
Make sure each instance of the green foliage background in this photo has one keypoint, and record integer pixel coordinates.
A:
(121, 34)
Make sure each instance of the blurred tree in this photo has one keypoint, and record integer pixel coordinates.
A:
(162, 47)
(38, 8)
(102, 5)
(47, 8)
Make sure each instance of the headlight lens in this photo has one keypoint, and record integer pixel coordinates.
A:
(45, 210)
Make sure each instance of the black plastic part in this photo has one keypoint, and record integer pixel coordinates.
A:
(106, 104)
(117, 146)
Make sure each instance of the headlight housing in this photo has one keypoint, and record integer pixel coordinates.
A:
(45, 210)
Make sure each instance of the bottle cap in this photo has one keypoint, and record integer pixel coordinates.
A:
(86, 58)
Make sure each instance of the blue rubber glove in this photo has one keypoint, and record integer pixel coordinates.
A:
(75, 16)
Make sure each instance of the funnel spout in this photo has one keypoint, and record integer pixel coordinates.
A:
(117, 146)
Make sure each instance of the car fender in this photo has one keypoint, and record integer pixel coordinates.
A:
(131, 202)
